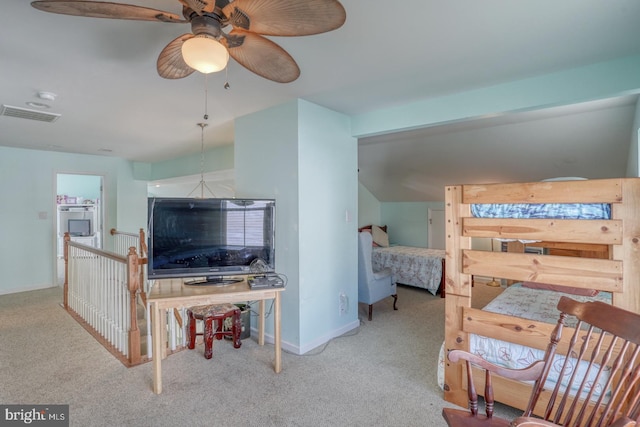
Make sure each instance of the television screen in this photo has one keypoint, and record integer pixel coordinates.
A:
(209, 238)
(79, 227)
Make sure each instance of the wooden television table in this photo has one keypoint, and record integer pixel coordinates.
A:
(173, 293)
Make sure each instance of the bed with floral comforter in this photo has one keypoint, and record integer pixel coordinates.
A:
(413, 266)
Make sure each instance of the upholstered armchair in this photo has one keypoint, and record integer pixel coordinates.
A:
(373, 286)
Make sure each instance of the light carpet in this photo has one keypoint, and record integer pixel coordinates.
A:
(381, 374)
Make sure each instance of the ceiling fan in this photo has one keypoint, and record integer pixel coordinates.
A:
(249, 21)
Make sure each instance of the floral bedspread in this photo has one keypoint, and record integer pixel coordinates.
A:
(419, 267)
(541, 210)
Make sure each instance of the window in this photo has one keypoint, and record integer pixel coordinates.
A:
(245, 222)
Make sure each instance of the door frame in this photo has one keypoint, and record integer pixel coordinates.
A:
(101, 219)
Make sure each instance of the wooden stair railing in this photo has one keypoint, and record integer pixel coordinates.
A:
(96, 284)
(134, 269)
(130, 250)
(123, 242)
(127, 239)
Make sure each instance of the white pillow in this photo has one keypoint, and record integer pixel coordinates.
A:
(380, 238)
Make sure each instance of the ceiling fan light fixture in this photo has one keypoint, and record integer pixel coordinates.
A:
(205, 54)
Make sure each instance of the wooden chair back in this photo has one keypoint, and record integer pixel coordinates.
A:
(597, 368)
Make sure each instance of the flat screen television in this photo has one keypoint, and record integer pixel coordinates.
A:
(79, 227)
(209, 239)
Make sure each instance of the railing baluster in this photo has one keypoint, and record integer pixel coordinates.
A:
(148, 318)
(108, 301)
(99, 291)
(119, 308)
(171, 319)
(183, 330)
(114, 302)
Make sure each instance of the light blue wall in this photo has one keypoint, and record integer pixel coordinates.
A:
(633, 168)
(28, 210)
(218, 158)
(602, 80)
(266, 164)
(131, 201)
(192, 188)
(368, 207)
(303, 156)
(328, 194)
(85, 186)
(407, 223)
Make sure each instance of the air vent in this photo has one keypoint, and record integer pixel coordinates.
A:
(25, 113)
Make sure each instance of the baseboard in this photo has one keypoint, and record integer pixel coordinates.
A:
(296, 349)
(29, 288)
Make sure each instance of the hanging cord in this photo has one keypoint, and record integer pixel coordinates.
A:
(202, 185)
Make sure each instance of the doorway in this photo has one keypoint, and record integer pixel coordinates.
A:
(79, 211)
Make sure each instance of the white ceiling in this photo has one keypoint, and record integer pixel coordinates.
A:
(113, 102)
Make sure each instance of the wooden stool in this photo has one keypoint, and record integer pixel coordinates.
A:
(209, 314)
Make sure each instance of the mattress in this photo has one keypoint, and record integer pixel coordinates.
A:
(541, 210)
(533, 304)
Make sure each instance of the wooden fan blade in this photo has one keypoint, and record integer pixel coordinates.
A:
(261, 56)
(200, 6)
(95, 9)
(170, 63)
(285, 17)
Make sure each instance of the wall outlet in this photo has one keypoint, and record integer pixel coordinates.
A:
(343, 303)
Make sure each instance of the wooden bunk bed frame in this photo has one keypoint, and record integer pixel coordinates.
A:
(581, 265)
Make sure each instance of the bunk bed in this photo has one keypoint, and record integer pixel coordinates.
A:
(585, 254)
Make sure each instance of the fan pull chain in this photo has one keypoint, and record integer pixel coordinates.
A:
(226, 76)
(206, 97)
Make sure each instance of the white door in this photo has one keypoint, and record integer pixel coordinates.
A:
(436, 229)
